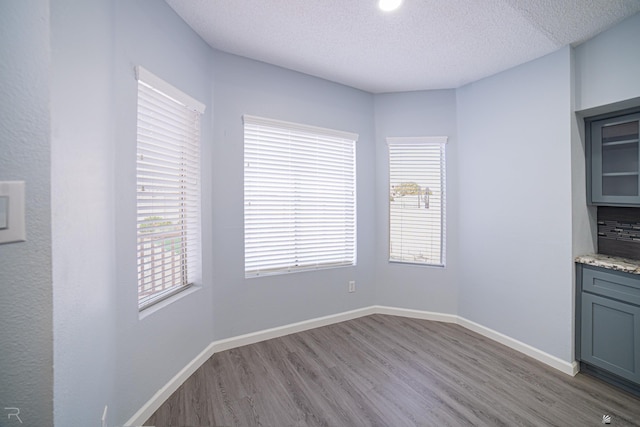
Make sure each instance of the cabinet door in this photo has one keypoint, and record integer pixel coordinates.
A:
(611, 336)
(615, 160)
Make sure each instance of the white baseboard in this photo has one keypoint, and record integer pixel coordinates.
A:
(546, 358)
(226, 344)
(416, 314)
(292, 328)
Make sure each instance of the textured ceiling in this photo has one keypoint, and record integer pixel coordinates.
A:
(426, 44)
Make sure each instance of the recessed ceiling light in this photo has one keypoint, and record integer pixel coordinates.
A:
(389, 5)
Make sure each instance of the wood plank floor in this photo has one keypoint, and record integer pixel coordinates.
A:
(389, 371)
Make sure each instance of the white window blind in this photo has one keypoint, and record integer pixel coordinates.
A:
(417, 200)
(299, 197)
(168, 190)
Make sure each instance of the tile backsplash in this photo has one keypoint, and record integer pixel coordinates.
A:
(619, 231)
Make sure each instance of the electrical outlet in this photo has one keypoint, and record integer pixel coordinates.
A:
(352, 285)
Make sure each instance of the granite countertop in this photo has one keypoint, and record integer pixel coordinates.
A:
(611, 262)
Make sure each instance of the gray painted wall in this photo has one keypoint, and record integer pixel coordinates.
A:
(26, 335)
(583, 216)
(82, 205)
(243, 86)
(515, 203)
(426, 113)
(608, 66)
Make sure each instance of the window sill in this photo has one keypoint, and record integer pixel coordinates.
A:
(419, 264)
(164, 303)
(269, 273)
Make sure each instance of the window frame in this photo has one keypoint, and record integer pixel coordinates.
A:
(416, 143)
(168, 159)
(296, 257)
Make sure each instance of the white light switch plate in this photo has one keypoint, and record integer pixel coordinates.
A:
(12, 227)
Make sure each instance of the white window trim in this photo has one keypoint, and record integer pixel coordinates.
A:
(169, 90)
(301, 127)
(421, 141)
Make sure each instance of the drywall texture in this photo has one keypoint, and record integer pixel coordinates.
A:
(515, 203)
(243, 86)
(82, 202)
(26, 331)
(608, 66)
(426, 113)
(422, 45)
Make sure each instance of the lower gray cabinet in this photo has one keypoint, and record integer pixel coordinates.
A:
(611, 336)
(608, 338)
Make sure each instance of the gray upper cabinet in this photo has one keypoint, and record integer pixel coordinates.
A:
(613, 159)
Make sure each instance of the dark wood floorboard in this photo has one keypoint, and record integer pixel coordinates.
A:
(388, 371)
